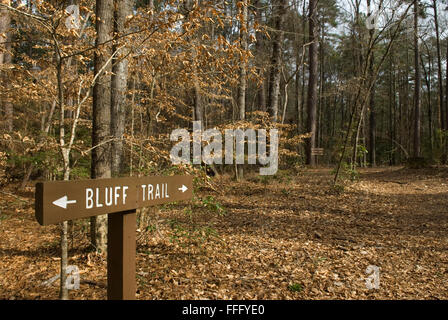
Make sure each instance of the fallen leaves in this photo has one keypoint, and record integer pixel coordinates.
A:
(307, 243)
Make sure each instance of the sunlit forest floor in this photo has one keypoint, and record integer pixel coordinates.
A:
(288, 237)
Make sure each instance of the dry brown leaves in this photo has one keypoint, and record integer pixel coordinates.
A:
(290, 238)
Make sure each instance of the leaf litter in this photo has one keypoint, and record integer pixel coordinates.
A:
(289, 237)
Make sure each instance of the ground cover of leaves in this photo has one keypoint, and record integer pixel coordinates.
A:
(292, 236)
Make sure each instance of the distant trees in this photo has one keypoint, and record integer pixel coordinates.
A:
(358, 89)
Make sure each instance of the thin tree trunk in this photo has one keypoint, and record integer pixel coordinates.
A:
(445, 158)
(243, 71)
(417, 102)
(372, 127)
(259, 48)
(439, 68)
(427, 76)
(312, 83)
(243, 67)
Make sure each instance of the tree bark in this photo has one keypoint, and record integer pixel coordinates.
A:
(259, 48)
(6, 58)
(276, 60)
(119, 86)
(312, 82)
(243, 71)
(439, 68)
(101, 167)
(372, 127)
(417, 102)
(243, 67)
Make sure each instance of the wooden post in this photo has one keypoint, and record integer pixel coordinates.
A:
(121, 243)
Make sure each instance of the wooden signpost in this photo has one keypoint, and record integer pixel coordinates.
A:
(317, 151)
(59, 201)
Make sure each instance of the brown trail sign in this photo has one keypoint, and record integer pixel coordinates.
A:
(317, 151)
(59, 201)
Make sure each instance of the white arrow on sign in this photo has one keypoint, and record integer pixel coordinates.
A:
(183, 189)
(63, 202)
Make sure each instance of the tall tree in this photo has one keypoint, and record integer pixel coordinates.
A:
(259, 49)
(276, 58)
(417, 85)
(6, 58)
(243, 68)
(372, 127)
(439, 67)
(123, 8)
(101, 167)
(312, 80)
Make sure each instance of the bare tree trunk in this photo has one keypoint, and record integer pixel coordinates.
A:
(276, 60)
(198, 116)
(131, 157)
(312, 84)
(6, 58)
(63, 291)
(302, 86)
(427, 76)
(197, 108)
(300, 65)
(259, 48)
(101, 114)
(119, 87)
(439, 68)
(445, 160)
(243, 70)
(417, 102)
(372, 128)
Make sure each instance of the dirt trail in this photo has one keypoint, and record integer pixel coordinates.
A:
(289, 237)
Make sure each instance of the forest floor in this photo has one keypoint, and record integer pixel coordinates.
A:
(286, 237)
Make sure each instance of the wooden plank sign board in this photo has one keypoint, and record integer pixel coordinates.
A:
(59, 201)
(317, 151)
